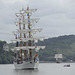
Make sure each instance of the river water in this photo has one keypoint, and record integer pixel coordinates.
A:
(44, 69)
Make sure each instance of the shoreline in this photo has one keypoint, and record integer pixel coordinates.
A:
(53, 62)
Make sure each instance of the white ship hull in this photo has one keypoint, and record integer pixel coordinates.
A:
(26, 65)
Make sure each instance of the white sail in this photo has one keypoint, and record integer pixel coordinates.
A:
(27, 39)
(29, 47)
(26, 21)
(24, 12)
(27, 31)
(58, 56)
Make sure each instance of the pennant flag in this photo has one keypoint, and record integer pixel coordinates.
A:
(33, 40)
(19, 50)
(36, 59)
(36, 54)
(16, 36)
(21, 16)
(30, 27)
(34, 43)
(30, 30)
(19, 23)
(29, 24)
(27, 14)
(35, 46)
(31, 36)
(28, 20)
(25, 11)
(28, 8)
(19, 43)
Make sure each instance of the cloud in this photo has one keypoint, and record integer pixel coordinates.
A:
(12, 1)
(57, 17)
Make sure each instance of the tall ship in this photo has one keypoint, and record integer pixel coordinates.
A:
(26, 49)
(58, 57)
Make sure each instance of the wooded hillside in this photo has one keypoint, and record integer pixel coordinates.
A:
(62, 44)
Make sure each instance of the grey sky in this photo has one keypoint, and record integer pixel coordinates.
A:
(57, 17)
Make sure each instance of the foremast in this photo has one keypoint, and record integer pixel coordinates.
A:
(26, 42)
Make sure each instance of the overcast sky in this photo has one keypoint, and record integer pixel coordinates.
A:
(57, 17)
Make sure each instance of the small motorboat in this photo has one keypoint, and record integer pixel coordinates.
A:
(67, 65)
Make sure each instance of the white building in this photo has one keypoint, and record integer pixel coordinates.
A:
(6, 47)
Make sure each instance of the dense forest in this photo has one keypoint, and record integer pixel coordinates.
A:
(62, 44)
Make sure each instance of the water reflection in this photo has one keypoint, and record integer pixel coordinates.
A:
(26, 72)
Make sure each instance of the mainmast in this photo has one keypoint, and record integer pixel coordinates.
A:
(20, 37)
(24, 44)
(29, 31)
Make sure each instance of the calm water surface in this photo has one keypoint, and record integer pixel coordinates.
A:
(44, 69)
